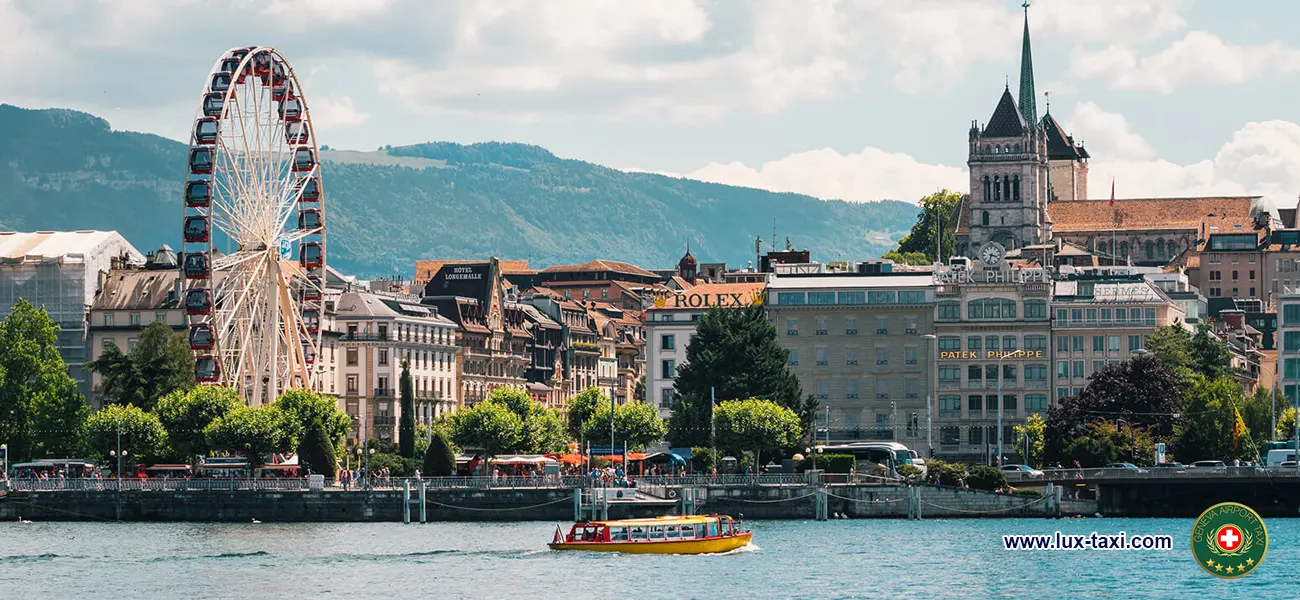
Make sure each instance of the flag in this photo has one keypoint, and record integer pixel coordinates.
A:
(1112, 191)
(1238, 428)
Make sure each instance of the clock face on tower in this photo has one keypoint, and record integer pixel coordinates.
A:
(991, 254)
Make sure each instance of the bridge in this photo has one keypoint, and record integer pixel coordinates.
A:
(1176, 492)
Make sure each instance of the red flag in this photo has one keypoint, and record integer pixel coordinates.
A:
(1112, 191)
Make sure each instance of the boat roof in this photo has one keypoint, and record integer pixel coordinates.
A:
(665, 520)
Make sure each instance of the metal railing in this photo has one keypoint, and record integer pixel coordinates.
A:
(726, 480)
(1160, 473)
(292, 484)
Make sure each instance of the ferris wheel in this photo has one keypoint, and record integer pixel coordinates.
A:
(253, 229)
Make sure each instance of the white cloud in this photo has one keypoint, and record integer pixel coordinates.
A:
(333, 112)
(1106, 20)
(1106, 134)
(1198, 58)
(872, 174)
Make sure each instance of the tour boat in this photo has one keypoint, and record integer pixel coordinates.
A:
(701, 534)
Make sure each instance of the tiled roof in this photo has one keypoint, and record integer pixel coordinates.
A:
(1151, 213)
(138, 289)
(1006, 120)
(1060, 146)
(600, 265)
(963, 215)
(426, 269)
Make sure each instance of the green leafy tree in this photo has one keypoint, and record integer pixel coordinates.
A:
(1286, 424)
(1141, 390)
(758, 425)
(142, 434)
(737, 353)
(638, 393)
(541, 429)
(1258, 411)
(301, 407)
(489, 425)
(984, 477)
(1210, 354)
(440, 457)
(316, 451)
(406, 424)
(1031, 434)
(937, 213)
(186, 413)
(160, 364)
(580, 408)
(941, 472)
(42, 414)
(918, 259)
(253, 432)
(1172, 346)
(1206, 429)
(636, 423)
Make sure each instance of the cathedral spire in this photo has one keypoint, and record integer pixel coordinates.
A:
(1028, 101)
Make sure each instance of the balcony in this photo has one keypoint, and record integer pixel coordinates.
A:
(882, 331)
(823, 363)
(384, 393)
(1085, 324)
(850, 362)
(821, 332)
(851, 396)
(367, 337)
(385, 421)
(792, 332)
(850, 332)
(910, 330)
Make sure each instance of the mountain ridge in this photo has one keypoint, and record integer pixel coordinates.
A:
(65, 170)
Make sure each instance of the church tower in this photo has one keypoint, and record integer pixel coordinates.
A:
(1008, 165)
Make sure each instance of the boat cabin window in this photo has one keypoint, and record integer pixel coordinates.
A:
(618, 534)
(657, 532)
(590, 534)
(674, 532)
(713, 528)
(699, 530)
(688, 531)
(638, 534)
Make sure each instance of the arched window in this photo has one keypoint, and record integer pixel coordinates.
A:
(987, 189)
(984, 219)
(1160, 248)
(1006, 188)
(1171, 248)
(1151, 250)
(1015, 188)
(1101, 248)
(1123, 249)
(997, 188)
(1017, 148)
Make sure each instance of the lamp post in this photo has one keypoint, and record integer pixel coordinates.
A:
(931, 394)
(998, 446)
(1134, 448)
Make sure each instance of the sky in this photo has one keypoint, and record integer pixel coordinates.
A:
(860, 100)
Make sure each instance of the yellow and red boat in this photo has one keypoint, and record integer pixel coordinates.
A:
(699, 534)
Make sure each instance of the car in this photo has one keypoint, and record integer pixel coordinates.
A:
(1126, 466)
(1022, 471)
(1215, 466)
(1171, 467)
(1287, 464)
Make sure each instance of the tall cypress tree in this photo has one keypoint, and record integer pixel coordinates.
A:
(736, 354)
(406, 427)
(316, 452)
(439, 458)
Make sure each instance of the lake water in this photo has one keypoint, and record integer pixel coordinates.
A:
(793, 559)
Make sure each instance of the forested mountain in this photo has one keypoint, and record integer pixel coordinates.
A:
(66, 170)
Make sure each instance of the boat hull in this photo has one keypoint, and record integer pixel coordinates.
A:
(706, 546)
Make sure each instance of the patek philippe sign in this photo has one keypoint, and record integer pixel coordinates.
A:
(990, 354)
(981, 274)
(704, 300)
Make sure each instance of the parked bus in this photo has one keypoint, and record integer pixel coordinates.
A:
(890, 455)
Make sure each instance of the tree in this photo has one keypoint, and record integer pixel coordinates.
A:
(253, 432)
(316, 452)
(1032, 432)
(1286, 424)
(1172, 346)
(487, 425)
(736, 353)
(1210, 354)
(142, 434)
(1206, 430)
(186, 413)
(580, 408)
(439, 458)
(918, 259)
(301, 407)
(984, 477)
(41, 410)
(941, 472)
(1258, 412)
(635, 423)
(1141, 390)
(541, 429)
(938, 211)
(406, 424)
(160, 364)
(758, 425)
(638, 393)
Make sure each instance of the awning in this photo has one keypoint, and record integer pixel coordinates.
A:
(168, 468)
(571, 459)
(522, 459)
(619, 457)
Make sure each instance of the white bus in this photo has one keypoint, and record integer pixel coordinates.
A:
(890, 455)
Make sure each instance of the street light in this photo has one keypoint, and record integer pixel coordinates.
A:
(930, 394)
(998, 446)
(1132, 450)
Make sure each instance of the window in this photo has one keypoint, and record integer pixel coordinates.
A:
(991, 342)
(991, 308)
(1216, 259)
(1291, 368)
(975, 435)
(911, 297)
(882, 297)
(667, 369)
(821, 325)
(1062, 369)
(352, 357)
(950, 436)
(1105, 315)
(1062, 392)
(1112, 343)
(974, 374)
(1035, 342)
(131, 343)
(882, 324)
(1077, 368)
(949, 405)
(975, 403)
(850, 356)
(953, 343)
(1235, 275)
(106, 342)
(821, 298)
(949, 310)
(1009, 402)
(108, 318)
(991, 373)
(1290, 341)
(991, 402)
(160, 316)
(853, 297)
(352, 384)
(821, 356)
(1076, 343)
(851, 326)
(1035, 372)
(975, 343)
(1134, 343)
(1009, 342)
(882, 388)
(851, 388)
(383, 356)
(1035, 403)
(823, 388)
(909, 324)
(667, 341)
(1009, 373)
(1252, 271)
(1063, 344)
(1097, 366)
(791, 298)
(792, 326)
(666, 397)
(950, 373)
(882, 355)
(1149, 317)
(1091, 315)
(1098, 343)
(909, 355)
(135, 318)
(910, 387)
(794, 358)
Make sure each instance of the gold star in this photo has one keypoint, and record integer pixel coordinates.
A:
(1210, 563)
(1218, 567)
(1229, 569)
(1250, 561)
(1241, 568)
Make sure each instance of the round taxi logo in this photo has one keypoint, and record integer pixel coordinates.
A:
(1229, 540)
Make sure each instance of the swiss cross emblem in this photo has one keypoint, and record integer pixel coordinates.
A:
(1229, 537)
